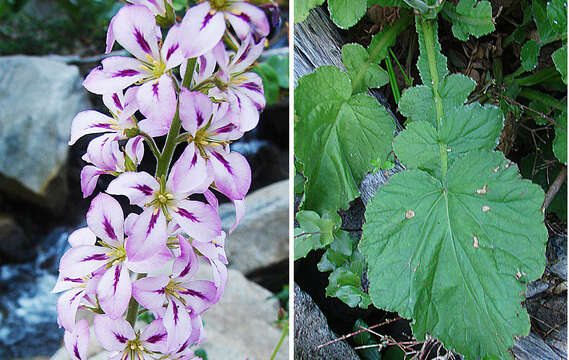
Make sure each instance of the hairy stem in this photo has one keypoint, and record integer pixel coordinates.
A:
(554, 188)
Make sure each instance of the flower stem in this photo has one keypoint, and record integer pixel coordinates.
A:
(132, 312)
(283, 335)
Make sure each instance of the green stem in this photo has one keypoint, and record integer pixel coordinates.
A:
(152, 144)
(190, 66)
(283, 335)
(132, 312)
(428, 31)
(169, 146)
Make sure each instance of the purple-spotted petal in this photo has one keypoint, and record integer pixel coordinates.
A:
(178, 324)
(211, 199)
(251, 85)
(114, 290)
(67, 305)
(106, 219)
(171, 52)
(149, 235)
(154, 337)
(134, 148)
(197, 219)
(89, 177)
(77, 341)
(152, 128)
(189, 174)
(82, 260)
(149, 292)
(247, 54)
(195, 110)
(115, 74)
(104, 152)
(157, 7)
(232, 173)
(185, 265)
(135, 29)
(113, 334)
(247, 110)
(90, 122)
(199, 295)
(157, 101)
(151, 264)
(82, 236)
(204, 28)
(139, 187)
(243, 13)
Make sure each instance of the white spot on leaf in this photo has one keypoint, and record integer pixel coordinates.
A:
(409, 214)
(475, 244)
(485, 208)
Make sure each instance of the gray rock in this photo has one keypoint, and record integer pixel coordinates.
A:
(241, 326)
(559, 268)
(14, 244)
(261, 239)
(38, 100)
(311, 329)
(535, 288)
(533, 347)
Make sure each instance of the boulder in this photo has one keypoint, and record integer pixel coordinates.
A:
(261, 239)
(14, 244)
(38, 100)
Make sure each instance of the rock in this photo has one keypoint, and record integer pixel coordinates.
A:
(261, 239)
(311, 329)
(533, 347)
(14, 244)
(535, 288)
(38, 100)
(241, 325)
(559, 268)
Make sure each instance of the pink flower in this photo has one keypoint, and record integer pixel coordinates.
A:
(77, 341)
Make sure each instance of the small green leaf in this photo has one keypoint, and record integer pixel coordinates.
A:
(346, 13)
(303, 7)
(338, 253)
(542, 21)
(355, 57)
(364, 338)
(315, 232)
(270, 81)
(560, 60)
(430, 45)
(529, 55)
(281, 66)
(389, 3)
(298, 184)
(470, 17)
(469, 242)
(557, 14)
(560, 141)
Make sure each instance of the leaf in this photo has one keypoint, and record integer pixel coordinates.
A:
(341, 135)
(364, 338)
(281, 65)
(270, 82)
(389, 3)
(302, 8)
(315, 232)
(560, 60)
(418, 103)
(355, 57)
(557, 15)
(560, 141)
(463, 129)
(346, 13)
(454, 255)
(469, 17)
(430, 42)
(529, 55)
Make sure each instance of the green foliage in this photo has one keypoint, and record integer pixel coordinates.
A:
(315, 232)
(302, 8)
(459, 229)
(274, 73)
(201, 353)
(344, 13)
(347, 266)
(469, 17)
(147, 317)
(355, 57)
(560, 142)
(364, 338)
(560, 60)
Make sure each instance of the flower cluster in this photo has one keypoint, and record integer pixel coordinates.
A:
(194, 87)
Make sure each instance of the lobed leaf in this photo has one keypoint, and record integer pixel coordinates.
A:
(529, 54)
(454, 254)
(470, 17)
(346, 13)
(314, 232)
(557, 15)
(560, 60)
(303, 7)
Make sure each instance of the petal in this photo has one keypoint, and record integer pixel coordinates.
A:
(195, 110)
(115, 74)
(189, 174)
(114, 291)
(211, 199)
(113, 334)
(199, 295)
(139, 187)
(203, 29)
(205, 66)
(240, 210)
(130, 106)
(134, 148)
(77, 341)
(157, 100)
(106, 219)
(135, 29)
(231, 173)
(89, 177)
(157, 7)
(90, 122)
(251, 85)
(149, 292)
(247, 53)
(104, 152)
(185, 265)
(80, 261)
(152, 128)
(129, 223)
(154, 337)
(110, 37)
(247, 110)
(82, 236)
(171, 52)
(255, 17)
(149, 235)
(153, 263)
(67, 305)
(178, 324)
(197, 219)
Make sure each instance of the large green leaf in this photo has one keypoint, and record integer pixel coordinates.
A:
(560, 60)
(302, 8)
(454, 255)
(315, 232)
(557, 14)
(463, 129)
(469, 17)
(346, 13)
(341, 134)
